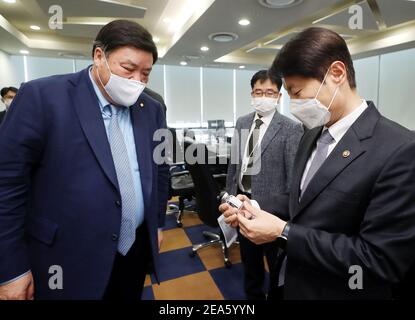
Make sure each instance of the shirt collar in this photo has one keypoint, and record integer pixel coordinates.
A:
(339, 129)
(266, 119)
(103, 102)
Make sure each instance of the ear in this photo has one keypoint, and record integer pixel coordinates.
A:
(338, 73)
(98, 55)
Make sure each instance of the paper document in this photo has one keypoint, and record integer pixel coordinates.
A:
(230, 233)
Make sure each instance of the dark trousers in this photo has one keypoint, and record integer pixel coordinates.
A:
(252, 256)
(275, 293)
(129, 272)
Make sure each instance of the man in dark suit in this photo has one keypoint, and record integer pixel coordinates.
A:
(158, 98)
(348, 229)
(7, 96)
(268, 140)
(81, 197)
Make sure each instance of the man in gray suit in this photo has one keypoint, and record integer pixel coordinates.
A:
(263, 167)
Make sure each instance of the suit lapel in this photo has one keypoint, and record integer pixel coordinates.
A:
(143, 140)
(332, 167)
(90, 117)
(273, 128)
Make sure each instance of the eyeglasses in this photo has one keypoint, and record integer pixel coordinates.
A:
(258, 93)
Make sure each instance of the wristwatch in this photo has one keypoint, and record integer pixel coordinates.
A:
(283, 237)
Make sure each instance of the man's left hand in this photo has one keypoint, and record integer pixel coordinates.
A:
(262, 228)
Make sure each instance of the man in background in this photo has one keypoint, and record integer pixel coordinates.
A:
(158, 98)
(275, 139)
(7, 96)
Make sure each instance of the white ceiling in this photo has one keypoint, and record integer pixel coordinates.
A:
(184, 26)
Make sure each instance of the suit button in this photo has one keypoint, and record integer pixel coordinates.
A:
(114, 237)
(118, 203)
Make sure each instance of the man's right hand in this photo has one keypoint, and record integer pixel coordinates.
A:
(230, 213)
(20, 289)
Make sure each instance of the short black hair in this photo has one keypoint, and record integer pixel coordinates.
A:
(122, 33)
(310, 54)
(264, 75)
(6, 90)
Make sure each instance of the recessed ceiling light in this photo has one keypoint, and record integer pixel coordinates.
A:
(24, 52)
(223, 37)
(279, 4)
(36, 28)
(204, 48)
(183, 63)
(9, 1)
(241, 67)
(156, 39)
(244, 22)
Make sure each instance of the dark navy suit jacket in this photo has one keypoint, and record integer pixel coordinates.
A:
(59, 195)
(358, 211)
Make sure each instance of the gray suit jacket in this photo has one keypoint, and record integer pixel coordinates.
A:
(278, 149)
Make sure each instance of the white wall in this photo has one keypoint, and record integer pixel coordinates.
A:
(195, 95)
(367, 78)
(218, 94)
(82, 64)
(243, 92)
(397, 87)
(156, 79)
(183, 95)
(388, 80)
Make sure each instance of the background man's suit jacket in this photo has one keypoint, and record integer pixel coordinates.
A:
(278, 149)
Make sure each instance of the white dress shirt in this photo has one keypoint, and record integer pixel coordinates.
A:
(337, 131)
(262, 130)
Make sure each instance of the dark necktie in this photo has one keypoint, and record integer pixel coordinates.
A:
(253, 140)
(323, 144)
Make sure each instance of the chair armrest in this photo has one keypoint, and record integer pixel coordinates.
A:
(219, 176)
(178, 174)
(177, 165)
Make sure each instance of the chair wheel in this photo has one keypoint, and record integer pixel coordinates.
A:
(228, 264)
(179, 224)
(192, 254)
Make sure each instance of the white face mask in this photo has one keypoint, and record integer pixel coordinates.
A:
(312, 112)
(122, 91)
(8, 102)
(264, 105)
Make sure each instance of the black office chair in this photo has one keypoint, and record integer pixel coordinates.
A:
(181, 183)
(208, 197)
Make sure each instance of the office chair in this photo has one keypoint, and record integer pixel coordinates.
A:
(181, 183)
(208, 197)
